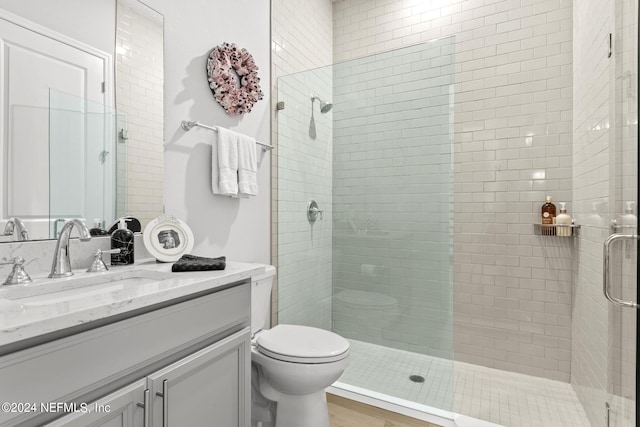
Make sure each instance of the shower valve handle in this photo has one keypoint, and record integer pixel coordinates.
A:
(316, 211)
(313, 211)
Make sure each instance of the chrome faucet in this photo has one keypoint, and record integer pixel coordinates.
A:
(61, 262)
(16, 223)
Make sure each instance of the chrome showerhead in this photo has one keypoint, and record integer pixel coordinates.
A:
(325, 106)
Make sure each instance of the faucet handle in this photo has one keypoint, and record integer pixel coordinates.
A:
(98, 264)
(17, 276)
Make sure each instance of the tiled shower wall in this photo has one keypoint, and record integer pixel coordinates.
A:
(302, 39)
(139, 80)
(513, 146)
(392, 195)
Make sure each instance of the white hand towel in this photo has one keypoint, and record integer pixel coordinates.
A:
(225, 182)
(247, 166)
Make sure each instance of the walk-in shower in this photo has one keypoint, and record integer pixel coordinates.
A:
(451, 123)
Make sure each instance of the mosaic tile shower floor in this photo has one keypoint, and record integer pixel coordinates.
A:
(506, 398)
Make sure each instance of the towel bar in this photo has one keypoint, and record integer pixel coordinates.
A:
(188, 125)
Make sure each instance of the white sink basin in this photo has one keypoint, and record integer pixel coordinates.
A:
(81, 286)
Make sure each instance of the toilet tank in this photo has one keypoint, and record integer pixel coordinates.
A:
(261, 299)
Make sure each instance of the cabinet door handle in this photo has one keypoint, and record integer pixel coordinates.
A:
(165, 402)
(147, 408)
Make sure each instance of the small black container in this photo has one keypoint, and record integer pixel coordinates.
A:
(122, 239)
(97, 229)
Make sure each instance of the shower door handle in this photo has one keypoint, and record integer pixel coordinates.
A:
(606, 285)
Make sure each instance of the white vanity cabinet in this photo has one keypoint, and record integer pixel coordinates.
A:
(119, 409)
(190, 356)
(205, 386)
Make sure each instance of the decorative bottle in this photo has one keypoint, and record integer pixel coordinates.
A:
(122, 239)
(548, 216)
(563, 221)
(97, 229)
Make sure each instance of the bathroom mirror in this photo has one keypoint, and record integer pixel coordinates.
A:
(61, 60)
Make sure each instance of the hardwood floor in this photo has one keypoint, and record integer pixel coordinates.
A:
(348, 413)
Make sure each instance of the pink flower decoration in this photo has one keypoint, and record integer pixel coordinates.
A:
(233, 78)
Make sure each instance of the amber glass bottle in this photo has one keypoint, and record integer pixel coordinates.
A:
(548, 217)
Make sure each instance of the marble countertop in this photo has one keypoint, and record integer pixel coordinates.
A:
(93, 297)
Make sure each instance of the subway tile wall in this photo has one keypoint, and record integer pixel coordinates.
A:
(513, 146)
(392, 198)
(139, 81)
(302, 39)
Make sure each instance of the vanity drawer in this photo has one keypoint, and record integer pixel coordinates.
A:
(85, 366)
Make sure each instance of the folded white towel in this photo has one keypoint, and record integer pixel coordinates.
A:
(225, 182)
(247, 166)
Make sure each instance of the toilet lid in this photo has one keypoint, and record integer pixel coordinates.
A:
(302, 344)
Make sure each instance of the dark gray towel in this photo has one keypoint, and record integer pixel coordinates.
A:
(198, 263)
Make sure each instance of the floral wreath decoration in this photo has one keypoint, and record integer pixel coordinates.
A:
(235, 97)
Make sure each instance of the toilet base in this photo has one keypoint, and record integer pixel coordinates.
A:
(303, 411)
(272, 408)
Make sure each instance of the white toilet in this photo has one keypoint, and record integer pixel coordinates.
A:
(291, 366)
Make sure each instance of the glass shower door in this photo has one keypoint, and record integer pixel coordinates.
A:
(371, 141)
(622, 245)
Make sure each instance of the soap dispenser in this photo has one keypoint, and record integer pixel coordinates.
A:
(548, 217)
(629, 220)
(563, 220)
(594, 217)
(122, 239)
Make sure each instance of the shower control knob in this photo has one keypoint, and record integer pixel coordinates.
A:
(313, 212)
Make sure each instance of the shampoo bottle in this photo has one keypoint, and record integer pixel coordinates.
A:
(548, 216)
(563, 220)
(629, 220)
(594, 218)
(122, 239)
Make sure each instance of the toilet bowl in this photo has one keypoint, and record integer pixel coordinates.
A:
(292, 365)
(364, 313)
